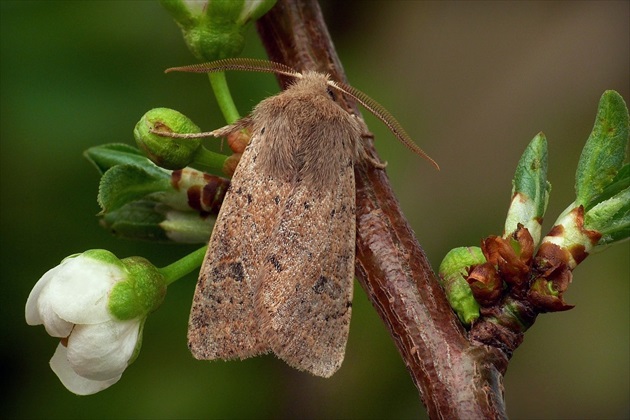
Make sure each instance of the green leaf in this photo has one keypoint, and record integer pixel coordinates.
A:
(154, 221)
(618, 184)
(136, 220)
(611, 218)
(605, 150)
(122, 184)
(106, 156)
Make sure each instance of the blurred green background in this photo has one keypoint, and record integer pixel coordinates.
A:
(472, 82)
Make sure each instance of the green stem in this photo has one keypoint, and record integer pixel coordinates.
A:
(224, 98)
(211, 161)
(180, 268)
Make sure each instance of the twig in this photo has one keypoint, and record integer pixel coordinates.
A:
(455, 378)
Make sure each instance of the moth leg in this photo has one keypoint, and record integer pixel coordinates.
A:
(363, 154)
(376, 163)
(366, 157)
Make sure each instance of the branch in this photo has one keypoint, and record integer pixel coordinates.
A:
(455, 378)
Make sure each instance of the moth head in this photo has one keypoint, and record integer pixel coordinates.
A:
(334, 87)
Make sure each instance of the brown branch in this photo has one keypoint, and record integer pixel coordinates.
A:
(455, 378)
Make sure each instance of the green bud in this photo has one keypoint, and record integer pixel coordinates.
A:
(530, 190)
(452, 274)
(167, 152)
(141, 293)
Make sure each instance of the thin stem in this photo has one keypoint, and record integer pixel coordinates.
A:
(211, 161)
(180, 268)
(224, 98)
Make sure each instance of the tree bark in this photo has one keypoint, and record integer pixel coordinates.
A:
(455, 377)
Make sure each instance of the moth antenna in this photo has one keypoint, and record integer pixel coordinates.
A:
(246, 64)
(383, 114)
(250, 64)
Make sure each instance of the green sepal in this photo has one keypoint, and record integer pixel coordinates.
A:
(124, 183)
(216, 28)
(604, 152)
(452, 274)
(101, 255)
(141, 293)
(106, 156)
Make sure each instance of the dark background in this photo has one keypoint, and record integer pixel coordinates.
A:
(472, 83)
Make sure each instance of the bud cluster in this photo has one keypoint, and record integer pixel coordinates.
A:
(509, 281)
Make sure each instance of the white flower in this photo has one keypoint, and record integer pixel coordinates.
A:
(73, 303)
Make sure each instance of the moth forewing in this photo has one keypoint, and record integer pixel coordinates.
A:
(305, 294)
(279, 267)
(222, 321)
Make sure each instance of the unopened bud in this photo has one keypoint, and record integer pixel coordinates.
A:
(167, 152)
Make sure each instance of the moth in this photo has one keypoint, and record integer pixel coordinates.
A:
(278, 273)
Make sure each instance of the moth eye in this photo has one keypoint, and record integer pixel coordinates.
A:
(331, 94)
(262, 130)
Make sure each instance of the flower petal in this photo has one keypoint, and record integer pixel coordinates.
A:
(102, 351)
(71, 380)
(80, 290)
(39, 310)
(55, 326)
(33, 317)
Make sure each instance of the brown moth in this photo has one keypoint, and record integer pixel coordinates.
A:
(278, 273)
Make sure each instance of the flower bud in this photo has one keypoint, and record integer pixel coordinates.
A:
(199, 191)
(97, 304)
(167, 152)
